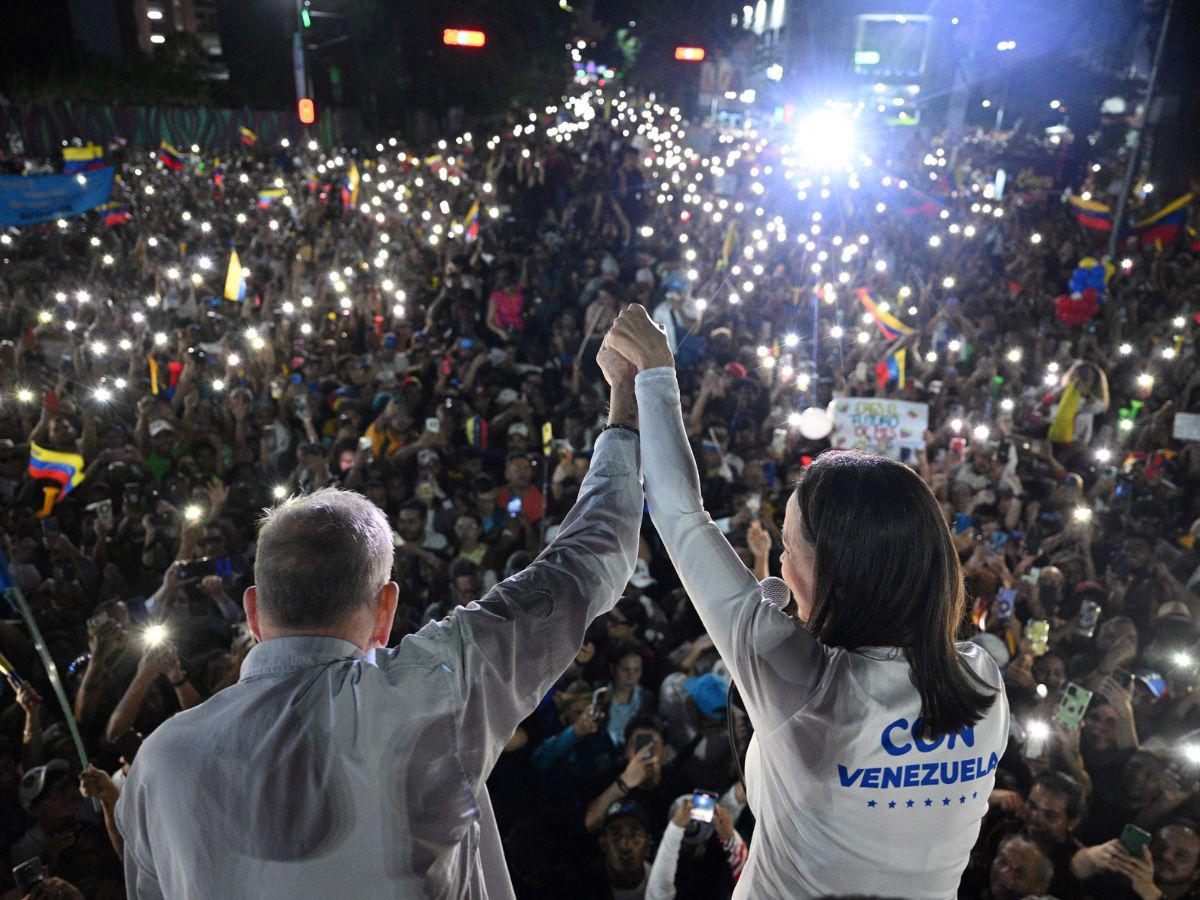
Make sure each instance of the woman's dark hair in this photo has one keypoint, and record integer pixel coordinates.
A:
(887, 575)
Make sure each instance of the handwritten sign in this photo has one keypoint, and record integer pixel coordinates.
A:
(877, 425)
(1187, 427)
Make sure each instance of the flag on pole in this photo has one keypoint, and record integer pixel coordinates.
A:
(235, 278)
(350, 187)
(82, 159)
(889, 326)
(62, 467)
(472, 221)
(170, 157)
(247, 137)
(1091, 213)
(1162, 228)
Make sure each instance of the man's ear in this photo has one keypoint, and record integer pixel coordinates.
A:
(385, 614)
(250, 602)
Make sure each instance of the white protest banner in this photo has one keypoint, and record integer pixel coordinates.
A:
(878, 425)
(1187, 427)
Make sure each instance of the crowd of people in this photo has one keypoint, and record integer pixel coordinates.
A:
(422, 327)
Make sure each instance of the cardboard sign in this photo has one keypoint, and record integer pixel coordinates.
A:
(1187, 427)
(894, 428)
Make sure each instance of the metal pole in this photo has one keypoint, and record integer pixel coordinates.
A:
(16, 599)
(1134, 150)
(299, 67)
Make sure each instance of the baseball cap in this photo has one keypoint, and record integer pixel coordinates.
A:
(158, 426)
(1156, 684)
(506, 396)
(37, 779)
(641, 575)
(708, 693)
(627, 809)
(390, 341)
(519, 428)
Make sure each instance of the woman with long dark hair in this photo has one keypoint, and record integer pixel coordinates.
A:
(876, 735)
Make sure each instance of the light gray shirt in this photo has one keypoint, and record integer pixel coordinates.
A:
(850, 799)
(326, 772)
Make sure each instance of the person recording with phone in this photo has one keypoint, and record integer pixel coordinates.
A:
(337, 766)
(701, 854)
(876, 735)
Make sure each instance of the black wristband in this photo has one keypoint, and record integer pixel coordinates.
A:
(619, 425)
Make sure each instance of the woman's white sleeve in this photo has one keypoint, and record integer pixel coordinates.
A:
(758, 643)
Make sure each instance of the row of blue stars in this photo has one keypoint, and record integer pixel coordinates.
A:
(909, 804)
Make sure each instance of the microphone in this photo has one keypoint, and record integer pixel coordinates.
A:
(776, 592)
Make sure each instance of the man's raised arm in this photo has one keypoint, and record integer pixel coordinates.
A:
(511, 646)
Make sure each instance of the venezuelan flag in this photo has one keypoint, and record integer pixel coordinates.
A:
(82, 159)
(115, 213)
(891, 369)
(889, 326)
(472, 221)
(1163, 227)
(1091, 213)
(269, 196)
(350, 187)
(61, 467)
(247, 137)
(170, 157)
(235, 278)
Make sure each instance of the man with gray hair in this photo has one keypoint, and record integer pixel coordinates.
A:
(338, 767)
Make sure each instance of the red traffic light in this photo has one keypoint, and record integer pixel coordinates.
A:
(461, 37)
(307, 111)
(689, 54)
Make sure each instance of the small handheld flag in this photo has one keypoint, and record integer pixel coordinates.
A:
(247, 137)
(889, 326)
(170, 157)
(115, 213)
(82, 159)
(350, 187)
(62, 467)
(472, 221)
(1091, 213)
(235, 278)
(269, 196)
(1160, 229)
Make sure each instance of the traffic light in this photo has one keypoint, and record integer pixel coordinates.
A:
(307, 110)
(689, 54)
(461, 37)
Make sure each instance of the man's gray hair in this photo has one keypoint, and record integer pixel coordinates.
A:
(321, 557)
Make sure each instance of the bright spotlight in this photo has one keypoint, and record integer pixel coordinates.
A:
(826, 139)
